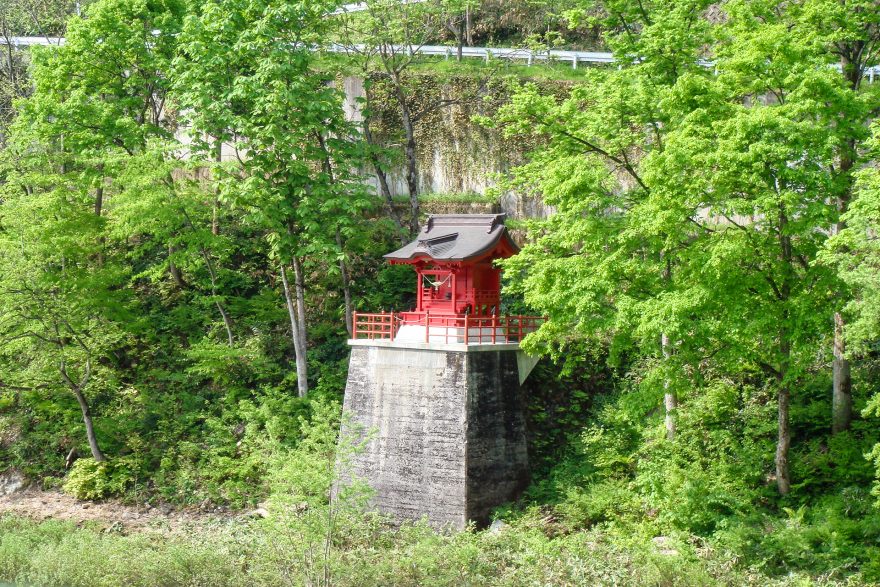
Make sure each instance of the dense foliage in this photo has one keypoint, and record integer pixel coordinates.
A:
(186, 227)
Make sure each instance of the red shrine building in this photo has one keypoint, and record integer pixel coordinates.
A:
(440, 384)
(458, 285)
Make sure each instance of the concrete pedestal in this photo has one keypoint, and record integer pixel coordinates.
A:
(448, 436)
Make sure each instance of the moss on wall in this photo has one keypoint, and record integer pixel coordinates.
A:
(455, 154)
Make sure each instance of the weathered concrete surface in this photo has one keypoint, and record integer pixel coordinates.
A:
(447, 430)
(497, 456)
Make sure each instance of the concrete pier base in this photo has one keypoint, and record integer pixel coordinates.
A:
(446, 428)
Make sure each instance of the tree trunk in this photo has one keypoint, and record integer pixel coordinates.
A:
(841, 393)
(670, 400)
(99, 198)
(842, 384)
(174, 270)
(468, 26)
(343, 269)
(227, 323)
(215, 205)
(412, 182)
(346, 286)
(90, 428)
(302, 382)
(300, 290)
(227, 320)
(381, 176)
(412, 166)
(783, 442)
(77, 389)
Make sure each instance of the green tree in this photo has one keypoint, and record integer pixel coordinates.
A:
(848, 33)
(692, 202)
(60, 297)
(606, 263)
(248, 77)
(97, 101)
(855, 252)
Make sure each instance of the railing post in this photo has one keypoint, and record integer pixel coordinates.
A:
(391, 326)
(354, 324)
(494, 327)
(427, 326)
(466, 329)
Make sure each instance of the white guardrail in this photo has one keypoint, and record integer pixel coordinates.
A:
(485, 53)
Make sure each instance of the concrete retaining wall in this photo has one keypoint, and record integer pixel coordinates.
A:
(448, 431)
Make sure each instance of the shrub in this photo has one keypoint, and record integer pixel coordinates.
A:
(91, 479)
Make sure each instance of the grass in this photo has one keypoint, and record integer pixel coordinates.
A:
(263, 553)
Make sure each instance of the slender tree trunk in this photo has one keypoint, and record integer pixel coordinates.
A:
(841, 392)
(783, 394)
(227, 320)
(346, 285)
(215, 205)
(90, 428)
(842, 384)
(670, 400)
(382, 176)
(412, 168)
(412, 181)
(174, 270)
(457, 30)
(343, 268)
(783, 442)
(468, 26)
(99, 208)
(783, 399)
(99, 198)
(77, 389)
(299, 288)
(302, 382)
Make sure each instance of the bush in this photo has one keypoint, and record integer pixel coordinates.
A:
(91, 479)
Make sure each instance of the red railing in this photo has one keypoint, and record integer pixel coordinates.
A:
(444, 328)
(375, 326)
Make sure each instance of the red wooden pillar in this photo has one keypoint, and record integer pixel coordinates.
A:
(454, 282)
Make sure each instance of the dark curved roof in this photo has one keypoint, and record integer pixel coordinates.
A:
(456, 237)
